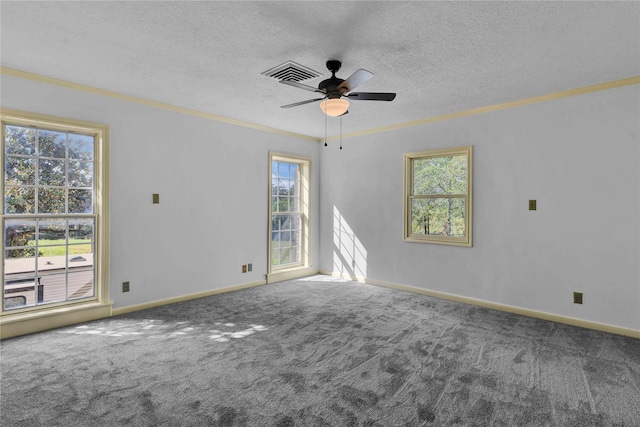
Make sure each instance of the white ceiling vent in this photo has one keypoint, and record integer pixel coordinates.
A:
(292, 71)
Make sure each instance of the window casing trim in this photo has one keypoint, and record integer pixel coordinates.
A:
(65, 310)
(289, 270)
(408, 236)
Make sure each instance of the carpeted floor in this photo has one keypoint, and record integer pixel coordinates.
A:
(320, 352)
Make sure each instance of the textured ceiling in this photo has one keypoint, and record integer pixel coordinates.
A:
(439, 57)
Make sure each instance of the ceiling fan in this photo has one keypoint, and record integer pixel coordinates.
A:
(334, 89)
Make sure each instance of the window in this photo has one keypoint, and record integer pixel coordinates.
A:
(54, 243)
(438, 196)
(289, 213)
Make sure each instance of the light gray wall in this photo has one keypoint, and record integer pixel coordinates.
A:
(212, 179)
(579, 157)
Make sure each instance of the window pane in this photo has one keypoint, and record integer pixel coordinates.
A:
(296, 222)
(81, 230)
(285, 222)
(80, 284)
(52, 232)
(19, 232)
(438, 216)
(19, 262)
(12, 301)
(54, 287)
(20, 171)
(46, 255)
(51, 200)
(440, 175)
(80, 254)
(80, 201)
(51, 172)
(20, 140)
(52, 144)
(286, 256)
(283, 187)
(275, 257)
(283, 204)
(275, 239)
(19, 200)
(20, 292)
(81, 147)
(80, 174)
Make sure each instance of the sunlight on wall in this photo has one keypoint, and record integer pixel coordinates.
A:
(151, 328)
(349, 255)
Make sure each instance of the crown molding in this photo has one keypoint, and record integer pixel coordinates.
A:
(459, 114)
(497, 107)
(155, 104)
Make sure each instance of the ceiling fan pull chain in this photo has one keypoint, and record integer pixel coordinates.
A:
(325, 130)
(341, 132)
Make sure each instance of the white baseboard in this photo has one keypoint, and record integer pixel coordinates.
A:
(14, 325)
(495, 306)
(182, 298)
(294, 273)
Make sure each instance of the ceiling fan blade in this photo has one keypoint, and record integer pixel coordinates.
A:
(372, 96)
(295, 104)
(355, 80)
(301, 86)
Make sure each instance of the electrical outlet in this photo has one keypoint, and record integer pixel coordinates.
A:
(249, 267)
(353, 263)
(577, 297)
(532, 205)
(156, 198)
(125, 287)
(244, 268)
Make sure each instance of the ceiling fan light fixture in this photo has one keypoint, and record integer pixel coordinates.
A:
(334, 107)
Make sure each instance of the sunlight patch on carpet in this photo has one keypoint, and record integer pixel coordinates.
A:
(151, 328)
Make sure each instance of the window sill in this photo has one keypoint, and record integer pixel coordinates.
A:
(13, 325)
(450, 241)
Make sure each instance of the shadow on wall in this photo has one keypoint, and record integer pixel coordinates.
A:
(349, 255)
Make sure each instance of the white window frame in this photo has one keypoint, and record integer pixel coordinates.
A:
(302, 268)
(20, 321)
(467, 240)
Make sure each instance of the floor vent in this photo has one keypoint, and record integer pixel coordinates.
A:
(292, 71)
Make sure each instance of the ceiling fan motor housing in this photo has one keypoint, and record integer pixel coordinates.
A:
(330, 85)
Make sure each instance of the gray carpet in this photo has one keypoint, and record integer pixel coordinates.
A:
(320, 352)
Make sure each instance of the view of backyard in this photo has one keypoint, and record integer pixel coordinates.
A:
(49, 226)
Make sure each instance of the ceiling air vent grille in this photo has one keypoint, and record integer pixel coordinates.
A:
(292, 71)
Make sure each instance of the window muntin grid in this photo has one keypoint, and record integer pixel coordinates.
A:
(286, 214)
(49, 225)
(438, 196)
